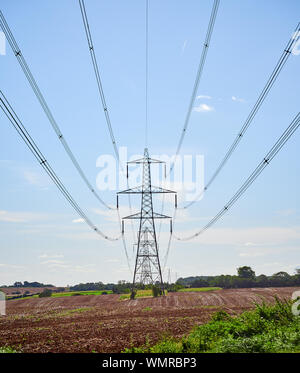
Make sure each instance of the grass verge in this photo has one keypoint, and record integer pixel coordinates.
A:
(140, 294)
(200, 289)
(7, 350)
(266, 329)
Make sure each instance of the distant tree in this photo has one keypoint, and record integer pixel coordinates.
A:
(246, 272)
(262, 280)
(281, 279)
(18, 284)
(60, 290)
(45, 293)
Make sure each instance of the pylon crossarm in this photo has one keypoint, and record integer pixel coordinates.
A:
(155, 216)
(147, 160)
(152, 189)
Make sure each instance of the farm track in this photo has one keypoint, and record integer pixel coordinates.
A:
(103, 323)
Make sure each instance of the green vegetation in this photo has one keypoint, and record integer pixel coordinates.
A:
(75, 310)
(7, 350)
(27, 284)
(45, 293)
(147, 309)
(266, 329)
(156, 291)
(245, 278)
(139, 294)
(72, 293)
(200, 289)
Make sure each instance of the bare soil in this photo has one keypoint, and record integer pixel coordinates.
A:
(104, 323)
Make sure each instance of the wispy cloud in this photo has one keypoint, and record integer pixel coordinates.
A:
(238, 99)
(265, 236)
(11, 266)
(35, 178)
(203, 108)
(19, 217)
(53, 261)
(47, 256)
(286, 212)
(203, 97)
(183, 46)
(78, 220)
(112, 261)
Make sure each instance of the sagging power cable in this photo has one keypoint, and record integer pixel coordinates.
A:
(16, 122)
(192, 99)
(198, 76)
(281, 62)
(291, 129)
(104, 106)
(17, 52)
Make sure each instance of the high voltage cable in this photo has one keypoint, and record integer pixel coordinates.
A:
(195, 89)
(16, 50)
(198, 76)
(104, 105)
(146, 80)
(16, 122)
(262, 165)
(97, 74)
(282, 60)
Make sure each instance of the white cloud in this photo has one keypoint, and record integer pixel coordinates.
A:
(203, 108)
(204, 97)
(266, 236)
(46, 256)
(238, 99)
(183, 46)
(19, 217)
(53, 261)
(263, 251)
(11, 266)
(112, 261)
(112, 215)
(35, 178)
(286, 212)
(251, 244)
(69, 268)
(80, 220)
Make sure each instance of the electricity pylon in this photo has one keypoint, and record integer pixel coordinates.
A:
(147, 265)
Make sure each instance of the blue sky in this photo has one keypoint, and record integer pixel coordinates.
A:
(40, 240)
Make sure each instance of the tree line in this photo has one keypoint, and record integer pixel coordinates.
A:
(245, 278)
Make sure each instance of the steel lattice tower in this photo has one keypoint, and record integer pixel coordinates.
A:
(147, 265)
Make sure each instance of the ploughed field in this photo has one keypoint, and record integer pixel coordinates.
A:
(104, 323)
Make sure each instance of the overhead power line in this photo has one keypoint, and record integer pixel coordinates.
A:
(193, 96)
(146, 75)
(16, 50)
(282, 60)
(97, 74)
(198, 76)
(16, 122)
(106, 112)
(258, 170)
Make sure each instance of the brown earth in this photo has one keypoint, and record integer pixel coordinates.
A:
(104, 323)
